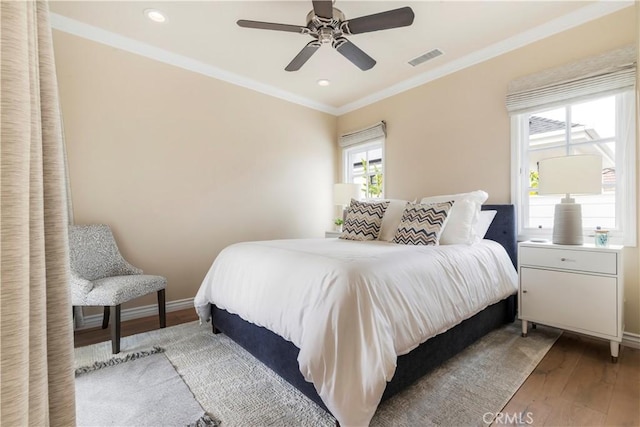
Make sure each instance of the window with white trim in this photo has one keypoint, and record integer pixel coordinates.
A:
(363, 160)
(585, 107)
(601, 125)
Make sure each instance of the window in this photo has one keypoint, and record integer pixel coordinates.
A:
(602, 125)
(583, 107)
(363, 164)
(363, 159)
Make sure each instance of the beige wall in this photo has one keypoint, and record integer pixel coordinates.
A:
(453, 134)
(181, 165)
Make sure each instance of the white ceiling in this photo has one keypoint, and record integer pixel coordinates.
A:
(203, 36)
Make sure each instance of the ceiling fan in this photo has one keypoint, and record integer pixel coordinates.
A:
(327, 25)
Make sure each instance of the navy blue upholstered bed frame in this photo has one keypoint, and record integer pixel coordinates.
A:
(281, 355)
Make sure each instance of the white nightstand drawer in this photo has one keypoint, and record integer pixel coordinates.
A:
(567, 259)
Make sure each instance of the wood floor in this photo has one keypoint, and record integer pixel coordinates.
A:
(574, 385)
(577, 385)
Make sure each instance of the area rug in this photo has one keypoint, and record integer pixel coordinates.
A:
(139, 389)
(238, 390)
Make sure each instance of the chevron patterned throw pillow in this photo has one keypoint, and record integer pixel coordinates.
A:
(422, 224)
(363, 220)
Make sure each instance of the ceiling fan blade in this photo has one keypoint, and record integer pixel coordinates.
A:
(353, 53)
(402, 17)
(323, 8)
(272, 26)
(303, 56)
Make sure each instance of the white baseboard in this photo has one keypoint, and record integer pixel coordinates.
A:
(631, 340)
(95, 320)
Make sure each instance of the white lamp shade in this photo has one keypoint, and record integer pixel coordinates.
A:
(343, 193)
(570, 175)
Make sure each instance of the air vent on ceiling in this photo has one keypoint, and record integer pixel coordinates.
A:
(424, 58)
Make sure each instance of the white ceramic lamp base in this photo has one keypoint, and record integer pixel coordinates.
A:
(567, 224)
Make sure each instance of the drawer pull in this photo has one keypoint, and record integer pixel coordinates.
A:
(567, 259)
(524, 292)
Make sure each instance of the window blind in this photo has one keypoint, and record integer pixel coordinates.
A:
(377, 131)
(601, 74)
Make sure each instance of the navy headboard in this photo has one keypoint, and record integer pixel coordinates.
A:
(503, 229)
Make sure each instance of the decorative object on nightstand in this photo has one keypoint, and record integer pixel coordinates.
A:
(601, 238)
(577, 288)
(338, 224)
(569, 175)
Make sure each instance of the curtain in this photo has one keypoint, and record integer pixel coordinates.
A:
(36, 352)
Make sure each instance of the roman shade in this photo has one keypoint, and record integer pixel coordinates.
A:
(601, 74)
(377, 131)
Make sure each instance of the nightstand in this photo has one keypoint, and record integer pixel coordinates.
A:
(577, 288)
(332, 234)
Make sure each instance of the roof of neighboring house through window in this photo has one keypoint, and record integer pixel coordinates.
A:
(539, 124)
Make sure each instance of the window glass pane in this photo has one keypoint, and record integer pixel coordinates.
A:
(547, 128)
(360, 180)
(375, 156)
(598, 210)
(593, 120)
(356, 165)
(592, 131)
(364, 166)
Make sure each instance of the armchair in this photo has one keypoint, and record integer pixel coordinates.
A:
(100, 276)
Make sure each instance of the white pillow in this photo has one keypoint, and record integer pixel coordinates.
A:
(484, 222)
(463, 216)
(391, 219)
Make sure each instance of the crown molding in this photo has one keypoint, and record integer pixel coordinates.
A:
(563, 23)
(555, 26)
(99, 35)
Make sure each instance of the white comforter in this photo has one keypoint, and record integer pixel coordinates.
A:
(353, 307)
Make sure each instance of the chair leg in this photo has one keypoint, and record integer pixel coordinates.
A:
(115, 329)
(105, 317)
(162, 309)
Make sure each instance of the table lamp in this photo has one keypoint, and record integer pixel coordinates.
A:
(343, 193)
(569, 175)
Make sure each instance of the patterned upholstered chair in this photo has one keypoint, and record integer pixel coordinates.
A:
(100, 276)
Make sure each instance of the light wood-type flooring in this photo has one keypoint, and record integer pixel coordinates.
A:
(574, 385)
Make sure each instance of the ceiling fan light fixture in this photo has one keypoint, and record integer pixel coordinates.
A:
(324, 82)
(327, 25)
(155, 15)
(325, 35)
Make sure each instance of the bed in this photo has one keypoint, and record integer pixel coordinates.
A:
(293, 331)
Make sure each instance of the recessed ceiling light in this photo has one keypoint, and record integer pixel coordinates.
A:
(155, 15)
(324, 82)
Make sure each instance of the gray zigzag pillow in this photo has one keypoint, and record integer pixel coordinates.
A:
(363, 220)
(422, 224)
